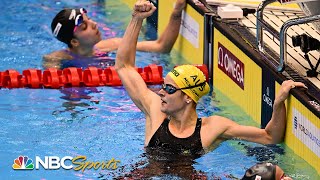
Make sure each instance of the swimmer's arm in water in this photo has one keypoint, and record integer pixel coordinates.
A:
(167, 39)
(144, 98)
(108, 45)
(275, 129)
(53, 60)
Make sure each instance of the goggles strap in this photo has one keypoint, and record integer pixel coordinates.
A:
(57, 29)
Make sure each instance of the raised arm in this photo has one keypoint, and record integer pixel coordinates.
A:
(167, 39)
(275, 129)
(277, 125)
(125, 60)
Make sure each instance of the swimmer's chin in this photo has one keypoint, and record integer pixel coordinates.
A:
(98, 35)
(162, 109)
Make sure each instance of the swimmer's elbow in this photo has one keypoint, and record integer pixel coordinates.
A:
(269, 139)
(118, 66)
(277, 141)
(120, 63)
(158, 46)
(121, 66)
(164, 48)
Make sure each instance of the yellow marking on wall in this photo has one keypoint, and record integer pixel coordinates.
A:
(291, 140)
(248, 98)
(192, 54)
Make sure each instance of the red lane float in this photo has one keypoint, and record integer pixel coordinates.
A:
(204, 69)
(12, 78)
(32, 78)
(1, 78)
(94, 76)
(76, 77)
(53, 78)
(73, 77)
(112, 77)
(153, 74)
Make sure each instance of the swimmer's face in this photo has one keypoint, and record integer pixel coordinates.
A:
(87, 32)
(174, 102)
(280, 175)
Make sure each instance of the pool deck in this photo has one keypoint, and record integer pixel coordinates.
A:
(276, 15)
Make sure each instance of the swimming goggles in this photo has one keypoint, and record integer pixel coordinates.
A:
(79, 19)
(171, 89)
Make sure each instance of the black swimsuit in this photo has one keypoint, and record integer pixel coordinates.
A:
(163, 139)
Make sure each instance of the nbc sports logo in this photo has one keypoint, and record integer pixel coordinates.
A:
(23, 163)
(55, 162)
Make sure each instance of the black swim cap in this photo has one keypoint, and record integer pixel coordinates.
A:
(64, 22)
(261, 171)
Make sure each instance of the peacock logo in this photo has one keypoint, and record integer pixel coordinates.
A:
(23, 163)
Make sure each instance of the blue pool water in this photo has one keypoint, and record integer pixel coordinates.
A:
(102, 123)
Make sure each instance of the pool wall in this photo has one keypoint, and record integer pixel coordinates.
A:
(253, 84)
(244, 76)
(190, 42)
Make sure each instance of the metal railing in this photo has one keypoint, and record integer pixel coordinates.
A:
(261, 23)
(282, 36)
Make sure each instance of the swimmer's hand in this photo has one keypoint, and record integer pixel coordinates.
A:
(143, 9)
(286, 87)
(180, 5)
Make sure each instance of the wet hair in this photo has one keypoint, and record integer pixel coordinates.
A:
(263, 171)
(63, 24)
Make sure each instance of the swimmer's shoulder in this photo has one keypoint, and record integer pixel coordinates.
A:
(211, 119)
(58, 56)
(53, 60)
(212, 128)
(215, 122)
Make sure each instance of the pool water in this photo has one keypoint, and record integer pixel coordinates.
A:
(102, 123)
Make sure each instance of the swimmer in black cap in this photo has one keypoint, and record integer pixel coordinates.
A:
(81, 34)
(265, 171)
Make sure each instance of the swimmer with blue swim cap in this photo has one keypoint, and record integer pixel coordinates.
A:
(172, 122)
(83, 37)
